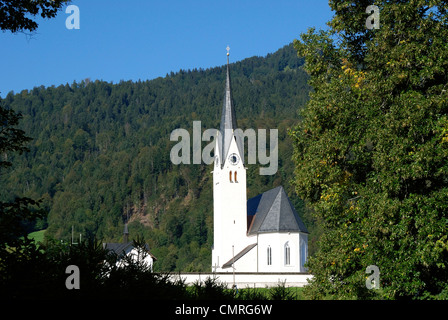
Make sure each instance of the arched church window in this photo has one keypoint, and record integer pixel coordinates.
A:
(230, 176)
(269, 256)
(303, 253)
(287, 254)
(236, 180)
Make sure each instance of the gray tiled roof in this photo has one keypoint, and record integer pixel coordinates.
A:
(120, 248)
(229, 263)
(272, 211)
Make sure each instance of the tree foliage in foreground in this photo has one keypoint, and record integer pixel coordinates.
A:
(371, 152)
(19, 16)
(38, 271)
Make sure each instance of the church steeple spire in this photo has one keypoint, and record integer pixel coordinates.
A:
(228, 120)
(229, 185)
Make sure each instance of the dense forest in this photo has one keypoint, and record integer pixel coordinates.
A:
(100, 153)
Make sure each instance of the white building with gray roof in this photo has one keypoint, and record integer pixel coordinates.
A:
(262, 234)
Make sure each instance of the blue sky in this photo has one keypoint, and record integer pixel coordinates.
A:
(146, 39)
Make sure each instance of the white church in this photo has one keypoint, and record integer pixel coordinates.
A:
(262, 234)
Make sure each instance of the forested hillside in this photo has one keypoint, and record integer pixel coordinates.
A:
(101, 152)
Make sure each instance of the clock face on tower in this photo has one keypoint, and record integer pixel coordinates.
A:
(234, 159)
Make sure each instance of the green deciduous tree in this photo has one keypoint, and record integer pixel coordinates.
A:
(371, 152)
(17, 16)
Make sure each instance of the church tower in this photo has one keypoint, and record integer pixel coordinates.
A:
(229, 186)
